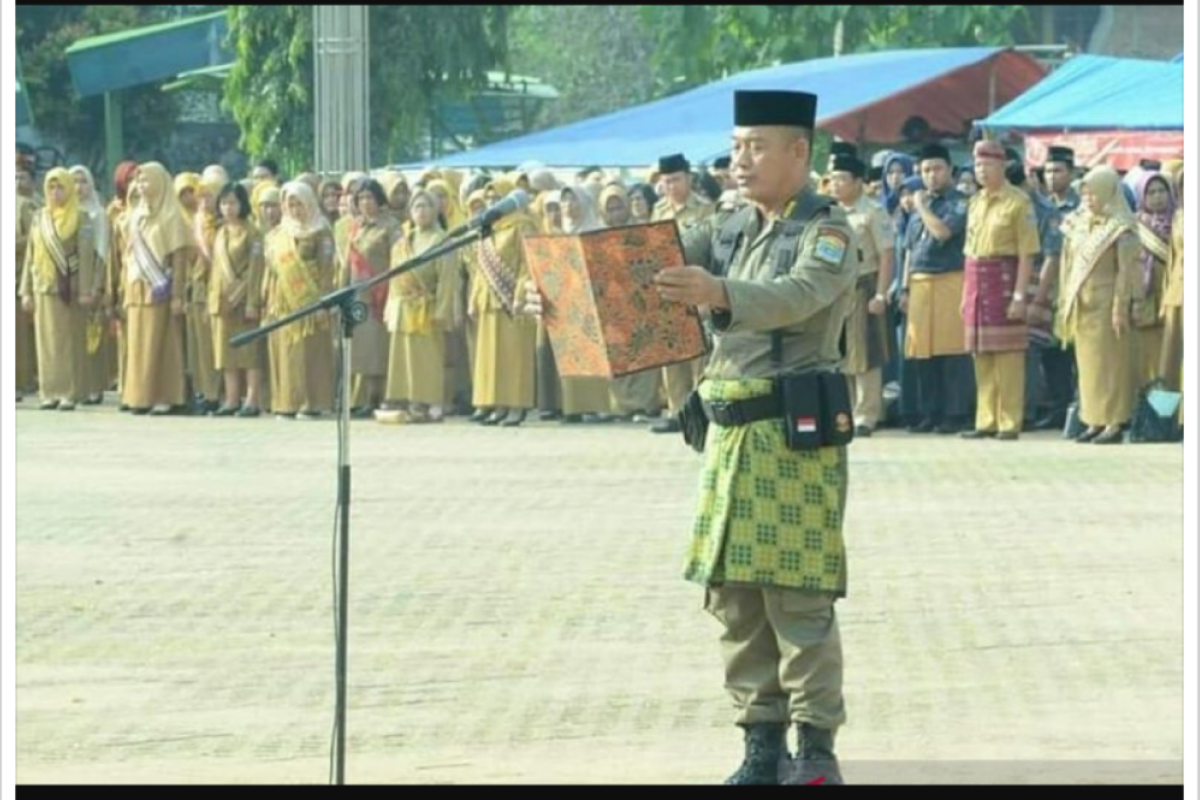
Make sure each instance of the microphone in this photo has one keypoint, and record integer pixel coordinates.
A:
(516, 200)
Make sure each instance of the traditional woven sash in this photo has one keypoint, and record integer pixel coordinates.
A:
(361, 272)
(501, 279)
(145, 267)
(61, 274)
(1087, 256)
(297, 289)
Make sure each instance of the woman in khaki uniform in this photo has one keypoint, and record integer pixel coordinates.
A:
(114, 295)
(1100, 250)
(423, 305)
(234, 298)
(100, 351)
(160, 251)
(59, 286)
(1156, 210)
(198, 339)
(504, 352)
(26, 350)
(1171, 363)
(300, 269)
(367, 254)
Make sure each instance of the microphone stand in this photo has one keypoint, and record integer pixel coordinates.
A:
(351, 313)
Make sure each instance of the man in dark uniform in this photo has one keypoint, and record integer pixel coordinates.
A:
(775, 284)
(1057, 364)
(931, 298)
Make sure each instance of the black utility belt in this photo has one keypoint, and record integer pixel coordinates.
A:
(814, 409)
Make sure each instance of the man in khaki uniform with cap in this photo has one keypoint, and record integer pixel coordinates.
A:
(774, 283)
(687, 209)
(1002, 240)
(867, 335)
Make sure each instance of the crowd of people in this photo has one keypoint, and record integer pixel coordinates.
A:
(990, 298)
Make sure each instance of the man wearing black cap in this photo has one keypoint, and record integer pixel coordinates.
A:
(867, 337)
(931, 298)
(775, 283)
(719, 169)
(1048, 388)
(1057, 363)
(1060, 171)
(687, 209)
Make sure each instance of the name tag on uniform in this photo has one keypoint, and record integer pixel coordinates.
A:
(831, 247)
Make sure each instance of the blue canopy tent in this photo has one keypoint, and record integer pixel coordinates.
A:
(869, 97)
(1100, 92)
(1115, 111)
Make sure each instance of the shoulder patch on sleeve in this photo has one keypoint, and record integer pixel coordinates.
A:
(831, 246)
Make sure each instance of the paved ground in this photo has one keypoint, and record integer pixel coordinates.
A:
(517, 613)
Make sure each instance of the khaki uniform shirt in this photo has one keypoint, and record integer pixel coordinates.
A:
(1002, 224)
(693, 212)
(872, 233)
(808, 304)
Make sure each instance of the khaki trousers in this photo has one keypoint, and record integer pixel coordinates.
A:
(866, 392)
(782, 653)
(1000, 402)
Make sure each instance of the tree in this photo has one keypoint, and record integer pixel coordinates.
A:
(597, 57)
(418, 53)
(77, 124)
(697, 44)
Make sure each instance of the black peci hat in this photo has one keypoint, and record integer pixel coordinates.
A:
(722, 162)
(668, 165)
(932, 151)
(843, 149)
(874, 174)
(851, 164)
(793, 109)
(1062, 154)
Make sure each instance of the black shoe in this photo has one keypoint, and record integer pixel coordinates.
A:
(1007, 436)
(225, 411)
(977, 434)
(924, 426)
(766, 756)
(550, 416)
(495, 418)
(947, 429)
(48, 405)
(571, 419)
(1110, 436)
(814, 763)
(249, 411)
(66, 405)
(668, 425)
(863, 431)
(598, 419)
(123, 408)
(514, 420)
(479, 416)
(1088, 435)
(139, 412)
(362, 413)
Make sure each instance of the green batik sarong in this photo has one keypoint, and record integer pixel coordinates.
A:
(767, 515)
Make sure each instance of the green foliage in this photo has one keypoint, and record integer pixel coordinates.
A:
(43, 35)
(696, 44)
(417, 53)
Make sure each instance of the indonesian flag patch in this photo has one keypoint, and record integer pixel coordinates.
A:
(806, 425)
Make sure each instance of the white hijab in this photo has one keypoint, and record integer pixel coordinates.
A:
(95, 211)
(314, 221)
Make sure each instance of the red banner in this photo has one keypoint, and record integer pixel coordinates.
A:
(1121, 150)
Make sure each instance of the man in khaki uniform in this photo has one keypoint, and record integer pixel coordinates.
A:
(867, 344)
(1002, 240)
(775, 284)
(687, 209)
(769, 550)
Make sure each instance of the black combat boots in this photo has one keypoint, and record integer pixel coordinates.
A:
(814, 763)
(766, 756)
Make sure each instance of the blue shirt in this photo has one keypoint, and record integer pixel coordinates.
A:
(1049, 218)
(929, 255)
